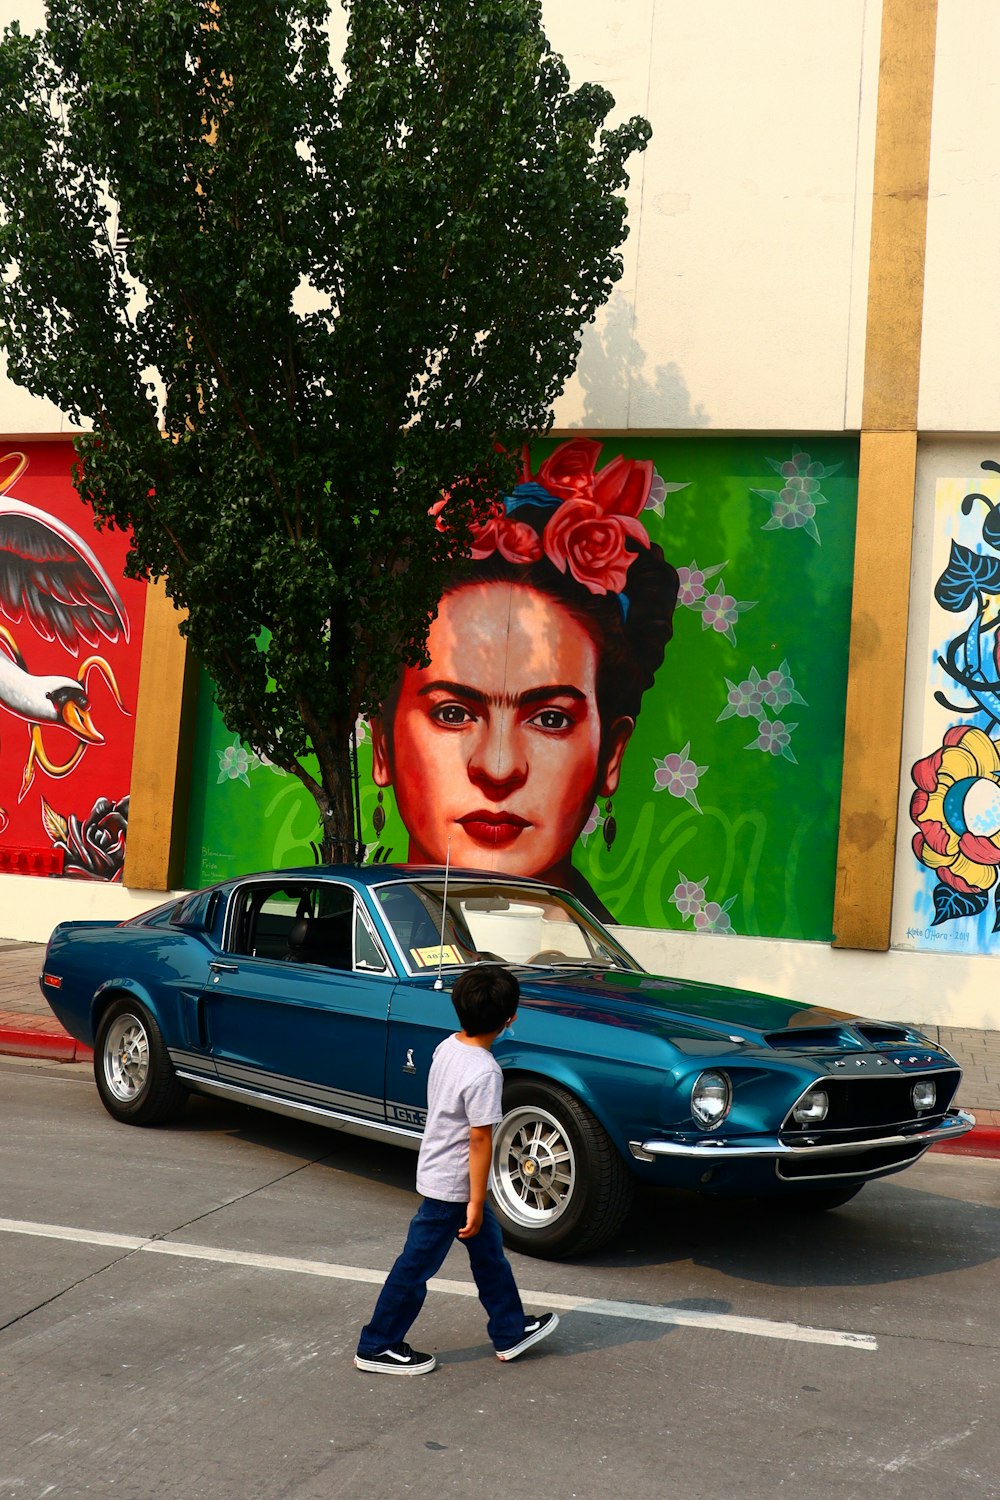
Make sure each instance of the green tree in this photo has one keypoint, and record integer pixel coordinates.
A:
(296, 306)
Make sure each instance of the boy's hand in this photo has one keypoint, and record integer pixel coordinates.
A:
(480, 1153)
(473, 1221)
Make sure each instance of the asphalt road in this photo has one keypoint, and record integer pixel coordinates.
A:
(179, 1308)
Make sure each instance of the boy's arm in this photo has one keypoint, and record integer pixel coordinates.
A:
(480, 1153)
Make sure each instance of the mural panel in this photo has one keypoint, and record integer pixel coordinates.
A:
(638, 691)
(951, 890)
(70, 643)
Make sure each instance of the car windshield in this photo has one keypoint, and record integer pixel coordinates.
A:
(499, 922)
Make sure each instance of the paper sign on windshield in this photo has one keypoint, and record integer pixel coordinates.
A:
(428, 957)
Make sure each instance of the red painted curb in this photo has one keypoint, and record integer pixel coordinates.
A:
(984, 1140)
(50, 1047)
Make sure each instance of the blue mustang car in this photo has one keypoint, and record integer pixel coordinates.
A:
(322, 993)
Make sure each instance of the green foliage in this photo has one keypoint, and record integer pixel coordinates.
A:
(295, 307)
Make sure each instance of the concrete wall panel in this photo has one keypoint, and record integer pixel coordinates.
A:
(960, 372)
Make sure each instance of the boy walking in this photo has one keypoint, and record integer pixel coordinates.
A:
(464, 1090)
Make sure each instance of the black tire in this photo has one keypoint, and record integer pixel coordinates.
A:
(821, 1200)
(558, 1185)
(135, 1077)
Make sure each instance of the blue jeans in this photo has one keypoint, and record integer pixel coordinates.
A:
(432, 1231)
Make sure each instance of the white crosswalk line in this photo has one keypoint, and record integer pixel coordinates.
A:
(640, 1312)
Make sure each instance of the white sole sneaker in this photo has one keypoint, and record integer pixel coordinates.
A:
(397, 1362)
(535, 1330)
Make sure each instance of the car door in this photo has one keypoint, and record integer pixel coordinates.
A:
(419, 1019)
(297, 1005)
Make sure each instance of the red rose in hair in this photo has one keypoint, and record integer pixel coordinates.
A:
(437, 511)
(621, 488)
(569, 471)
(514, 540)
(592, 545)
(588, 532)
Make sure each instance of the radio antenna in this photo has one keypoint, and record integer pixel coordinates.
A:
(439, 982)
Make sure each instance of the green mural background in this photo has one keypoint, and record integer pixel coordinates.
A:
(729, 799)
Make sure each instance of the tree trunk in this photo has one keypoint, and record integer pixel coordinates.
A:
(340, 842)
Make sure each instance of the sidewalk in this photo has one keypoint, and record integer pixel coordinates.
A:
(29, 1029)
(27, 1026)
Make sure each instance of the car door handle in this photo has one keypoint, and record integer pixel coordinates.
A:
(220, 968)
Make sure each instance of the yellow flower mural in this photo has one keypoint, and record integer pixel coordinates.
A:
(956, 808)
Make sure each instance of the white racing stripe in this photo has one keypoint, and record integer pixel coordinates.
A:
(639, 1312)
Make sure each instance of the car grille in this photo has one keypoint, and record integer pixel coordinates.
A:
(860, 1105)
(865, 1164)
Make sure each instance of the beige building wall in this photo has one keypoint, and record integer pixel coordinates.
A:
(742, 307)
(743, 302)
(960, 368)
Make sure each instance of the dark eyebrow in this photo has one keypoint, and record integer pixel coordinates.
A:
(556, 690)
(457, 690)
(534, 695)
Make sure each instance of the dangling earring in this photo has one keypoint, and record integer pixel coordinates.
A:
(378, 816)
(610, 826)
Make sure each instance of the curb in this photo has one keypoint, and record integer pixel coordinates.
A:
(16, 1041)
(983, 1140)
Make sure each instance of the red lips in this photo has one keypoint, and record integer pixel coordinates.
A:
(493, 829)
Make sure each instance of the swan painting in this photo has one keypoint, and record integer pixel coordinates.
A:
(51, 580)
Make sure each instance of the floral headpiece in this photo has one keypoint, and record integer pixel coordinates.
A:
(593, 516)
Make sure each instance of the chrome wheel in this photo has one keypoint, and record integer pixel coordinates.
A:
(534, 1167)
(132, 1069)
(126, 1057)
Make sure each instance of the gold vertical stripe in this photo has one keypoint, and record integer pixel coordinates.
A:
(886, 478)
(899, 216)
(161, 758)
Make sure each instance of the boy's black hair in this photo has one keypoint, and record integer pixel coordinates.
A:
(485, 998)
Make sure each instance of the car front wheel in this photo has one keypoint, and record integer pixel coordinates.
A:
(135, 1077)
(559, 1186)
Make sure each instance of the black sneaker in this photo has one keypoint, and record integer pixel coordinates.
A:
(534, 1330)
(399, 1360)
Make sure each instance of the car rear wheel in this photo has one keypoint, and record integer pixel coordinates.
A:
(558, 1185)
(135, 1077)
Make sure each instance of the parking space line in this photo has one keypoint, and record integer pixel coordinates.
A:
(640, 1312)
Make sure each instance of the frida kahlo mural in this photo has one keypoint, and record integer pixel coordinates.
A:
(70, 638)
(499, 748)
(555, 732)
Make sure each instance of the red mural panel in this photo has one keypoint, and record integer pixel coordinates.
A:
(70, 642)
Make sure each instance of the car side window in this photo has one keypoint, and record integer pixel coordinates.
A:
(262, 918)
(367, 953)
(323, 929)
(305, 924)
(275, 917)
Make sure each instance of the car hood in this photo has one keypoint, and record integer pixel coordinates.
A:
(682, 1008)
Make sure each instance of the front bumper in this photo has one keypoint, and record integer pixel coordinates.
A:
(957, 1122)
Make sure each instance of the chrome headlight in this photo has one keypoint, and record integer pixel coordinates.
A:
(924, 1094)
(813, 1107)
(710, 1099)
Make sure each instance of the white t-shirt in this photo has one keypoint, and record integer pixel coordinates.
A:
(464, 1088)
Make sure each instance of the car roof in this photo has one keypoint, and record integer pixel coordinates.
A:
(379, 874)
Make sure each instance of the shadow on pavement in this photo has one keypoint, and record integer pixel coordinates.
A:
(895, 1230)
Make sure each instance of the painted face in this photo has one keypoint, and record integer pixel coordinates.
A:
(497, 742)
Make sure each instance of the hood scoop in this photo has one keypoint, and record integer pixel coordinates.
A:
(857, 1036)
(883, 1033)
